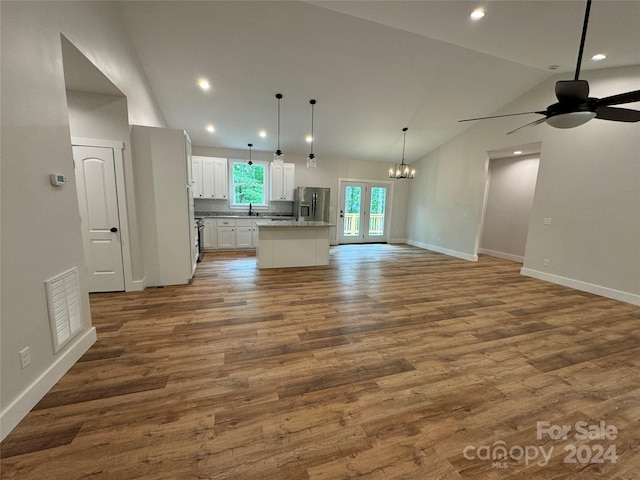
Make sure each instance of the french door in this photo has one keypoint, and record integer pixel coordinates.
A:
(364, 215)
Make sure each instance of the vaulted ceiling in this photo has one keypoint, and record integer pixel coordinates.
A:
(374, 67)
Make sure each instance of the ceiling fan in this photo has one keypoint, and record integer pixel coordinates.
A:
(575, 107)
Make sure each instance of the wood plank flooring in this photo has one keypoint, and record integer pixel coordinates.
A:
(390, 363)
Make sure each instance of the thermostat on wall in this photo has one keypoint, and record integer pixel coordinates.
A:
(57, 180)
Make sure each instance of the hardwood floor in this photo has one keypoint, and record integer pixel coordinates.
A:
(390, 363)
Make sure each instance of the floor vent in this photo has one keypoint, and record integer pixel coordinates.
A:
(63, 302)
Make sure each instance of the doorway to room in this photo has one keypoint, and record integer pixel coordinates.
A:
(511, 181)
(363, 211)
(99, 128)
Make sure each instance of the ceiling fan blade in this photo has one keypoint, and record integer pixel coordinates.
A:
(535, 122)
(629, 97)
(618, 114)
(499, 116)
(572, 90)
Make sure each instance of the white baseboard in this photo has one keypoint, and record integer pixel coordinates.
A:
(446, 251)
(583, 286)
(137, 286)
(20, 407)
(506, 256)
(397, 240)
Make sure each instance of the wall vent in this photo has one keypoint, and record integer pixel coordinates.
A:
(63, 303)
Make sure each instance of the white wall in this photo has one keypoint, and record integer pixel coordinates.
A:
(512, 182)
(40, 235)
(105, 117)
(327, 173)
(588, 183)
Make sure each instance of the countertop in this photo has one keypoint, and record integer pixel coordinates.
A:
(292, 223)
(282, 218)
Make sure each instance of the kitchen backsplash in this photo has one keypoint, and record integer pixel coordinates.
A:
(206, 213)
(213, 208)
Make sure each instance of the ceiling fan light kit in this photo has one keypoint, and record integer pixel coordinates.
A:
(574, 106)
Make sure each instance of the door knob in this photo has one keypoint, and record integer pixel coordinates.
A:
(113, 229)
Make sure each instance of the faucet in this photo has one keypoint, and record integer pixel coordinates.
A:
(250, 210)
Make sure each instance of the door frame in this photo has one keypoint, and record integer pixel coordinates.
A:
(118, 160)
(389, 204)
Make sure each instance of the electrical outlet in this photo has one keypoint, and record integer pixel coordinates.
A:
(546, 262)
(25, 357)
(546, 221)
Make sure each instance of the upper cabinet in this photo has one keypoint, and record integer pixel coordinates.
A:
(210, 177)
(283, 181)
(196, 177)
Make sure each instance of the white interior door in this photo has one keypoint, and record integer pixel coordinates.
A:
(99, 219)
(363, 216)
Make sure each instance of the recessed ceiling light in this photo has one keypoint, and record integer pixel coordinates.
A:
(477, 14)
(517, 152)
(262, 134)
(598, 56)
(308, 138)
(210, 128)
(204, 84)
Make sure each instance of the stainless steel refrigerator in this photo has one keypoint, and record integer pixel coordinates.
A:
(311, 203)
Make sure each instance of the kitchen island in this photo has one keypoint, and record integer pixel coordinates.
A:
(292, 243)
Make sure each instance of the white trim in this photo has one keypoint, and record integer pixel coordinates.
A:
(446, 251)
(29, 398)
(137, 285)
(388, 208)
(506, 256)
(627, 297)
(121, 194)
(397, 240)
(231, 189)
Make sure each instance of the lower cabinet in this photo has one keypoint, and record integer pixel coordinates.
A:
(210, 234)
(228, 233)
(245, 235)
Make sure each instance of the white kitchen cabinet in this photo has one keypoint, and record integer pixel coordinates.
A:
(231, 233)
(210, 177)
(226, 233)
(243, 237)
(196, 178)
(210, 234)
(282, 181)
(220, 178)
(226, 237)
(244, 230)
(254, 236)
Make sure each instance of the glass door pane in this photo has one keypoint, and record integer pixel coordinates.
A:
(352, 210)
(377, 209)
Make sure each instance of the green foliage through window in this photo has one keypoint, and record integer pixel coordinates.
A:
(378, 198)
(353, 195)
(249, 184)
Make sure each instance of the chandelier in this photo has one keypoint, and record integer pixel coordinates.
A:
(402, 170)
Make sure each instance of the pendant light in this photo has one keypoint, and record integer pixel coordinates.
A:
(311, 159)
(250, 145)
(278, 156)
(402, 170)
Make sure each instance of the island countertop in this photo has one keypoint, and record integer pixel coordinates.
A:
(291, 223)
